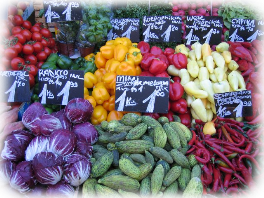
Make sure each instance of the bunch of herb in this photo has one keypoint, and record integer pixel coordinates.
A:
(67, 31)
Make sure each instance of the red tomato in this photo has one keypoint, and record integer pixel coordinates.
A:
(31, 59)
(27, 25)
(28, 49)
(17, 63)
(41, 56)
(2, 50)
(12, 10)
(36, 36)
(17, 20)
(45, 32)
(10, 53)
(44, 42)
(31, 80)
(38, 47)
(39, 64)
(21, 38)
(2, 67)
(4, 63)
(47, 51)
(51, 43)
(4, 32)
(35, 29)
(32, 69)
(39, 25)
(18, 46)
(27, 34)
(16, 30)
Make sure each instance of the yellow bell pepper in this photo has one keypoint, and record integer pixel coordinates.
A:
(129, 60)
(123, 40)
(109, 104)
(101, 84)
(99, 60)
(199, 109)
(218, 59)
(193, 68)
(134, 44)
(109, 80)
(138, 70)
(99, 115)
(191, 89)
(99, 73)
(100, 94)
(89, 56)
(197, 47)
(183, 49)
(207, 86)
(221, 87)
(110, 42)
(120, 52)
(227, 56)
(91, 100)
(107, 51)
(112, 66)
(223, 46)
(209, 128)
(203, 74)
(126, 69)
(89, 80)
(185, 76)
(135, 54)
(206, 51)
(232, 65)
(209, 63)
(219, 73)
(114, 115)
(85, 91)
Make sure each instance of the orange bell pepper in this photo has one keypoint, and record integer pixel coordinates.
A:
(99, 73)
(135, 54)
(89, 80)
(112, 65)
(85, 91)
(126, 69)
(107, 51)
(109, 104)
(100, 94)
(90, 99)
(109, 80)
(138, 70)
(99, 60)
(114, 115)
(120, 52)
(123, 40)
(112, 92)
(99, 115)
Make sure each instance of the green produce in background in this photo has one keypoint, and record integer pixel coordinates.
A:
(64, 62)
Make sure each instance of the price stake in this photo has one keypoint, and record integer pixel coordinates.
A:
(203, 29)
(124, 28)
(162, 28)
(66, 10)
(60, 86)
(233, 104)
(14, 86)
(246, 30)
(142, 94)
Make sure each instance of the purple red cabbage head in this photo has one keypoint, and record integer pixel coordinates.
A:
(65, 122)
(85, 132)
(37, 145)
(61, 189)
(6, 169)
(84, 148)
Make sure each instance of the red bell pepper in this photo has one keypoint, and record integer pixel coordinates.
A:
(168, 51)
(179, 106)
(144, 47)
(163, 74)
(176, 91)
(155, 50)
(145, 73)
(238, 50)
(169, 115)
(185, 118)
(243, 65)
(146, 61)
(235, 58)
(157, 66)
(163, 58)
(257, 100)
(176, 79)
(153, 115)
(257, 44)
(170, 57)
(179, 60)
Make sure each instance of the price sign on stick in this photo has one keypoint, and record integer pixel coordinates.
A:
(246, 30)
(162, 28)
(142, 94)
(125, 28)
(66, 10)
(233, 104)
(14, 86)
(60, 86)
(204, 29)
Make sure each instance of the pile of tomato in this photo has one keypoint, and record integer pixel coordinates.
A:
(25, 46)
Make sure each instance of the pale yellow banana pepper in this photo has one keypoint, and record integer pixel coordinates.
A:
(219, 73)
(221, 87)
(207, 86)
(185, 76)
(199, 109)
(192, 55)
(209, 114)
(189, 100)
(193, 68)
(218, 59)
(203, 74)
(223, 46)
(212, 77)
(227, 56)
(210, 64)
(241, 81)
(232, 65)
(197, 47)
(173, 71)
(194, 115)
(233, 80)
(201, 63)
(206, 51)
(213, 108)
(191, 89)
(197, 82)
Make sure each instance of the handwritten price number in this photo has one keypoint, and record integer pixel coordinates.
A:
(247, 103)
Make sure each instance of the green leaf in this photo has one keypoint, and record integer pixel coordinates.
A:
(41, 12)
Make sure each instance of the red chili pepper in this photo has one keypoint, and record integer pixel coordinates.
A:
(235, 133)
(179, 106)
(254, 57)
(144, 47)
(248, 147)
(179, 60)
(231, 156)
(233, 182)
(254, 50)
(227, 179)
(199, 144)
(200, 122)
(236, 149)
(157, 66)
(245, 173)
(225, 169)
(221, 163)
(155, 50)
(246, 44)
(186, 118)
(206, 175)
(250, 69)
(202, 155)
(227, 136)
(168, 51)
(221, 148)
(255, 154)
(216, 179)
(232, 190)
(222, 142)
(146, 61)
(191, 142)
(257, 44)
(228, 120)
(176, 91)
(191, 150)
(240, 178)
(257, 119)
(252, 159)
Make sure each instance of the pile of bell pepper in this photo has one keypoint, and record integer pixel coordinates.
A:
(232, 160)
(117, 57)
(249, 58)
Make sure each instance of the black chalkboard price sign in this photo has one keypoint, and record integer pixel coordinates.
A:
(14, 86)
(204, 29)
(245, 30)
(162, 28)
(127, 27)
(60, 86)
(3, 8)
(233, 104)
(142, 94)
(65, 10)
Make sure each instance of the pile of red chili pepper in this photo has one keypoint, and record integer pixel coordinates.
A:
(248, 56)
(230, 158)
